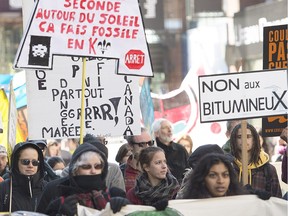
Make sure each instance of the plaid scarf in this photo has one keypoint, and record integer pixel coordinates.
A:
(94, 199)
(149, 195)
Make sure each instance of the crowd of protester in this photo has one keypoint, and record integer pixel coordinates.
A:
(152, 169)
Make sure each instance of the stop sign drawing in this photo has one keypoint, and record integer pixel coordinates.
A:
(134, 59)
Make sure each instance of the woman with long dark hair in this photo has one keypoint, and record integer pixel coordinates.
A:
(262, 176)
(213, 176)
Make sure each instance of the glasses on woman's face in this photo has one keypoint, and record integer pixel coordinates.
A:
(26, 162)
(143, 144)
(89, 166)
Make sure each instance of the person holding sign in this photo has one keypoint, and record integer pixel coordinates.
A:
(262, 176)
(85, 185)
(156, 185)
(213, 176)
(26, 179)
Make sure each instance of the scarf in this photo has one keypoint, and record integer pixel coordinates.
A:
(94, 199)
(264, 158)
(150, 195)
(89, 182)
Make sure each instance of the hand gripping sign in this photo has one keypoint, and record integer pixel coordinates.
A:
(91, 28)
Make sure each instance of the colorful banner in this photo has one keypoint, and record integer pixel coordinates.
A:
(4, 109)
(146, 104)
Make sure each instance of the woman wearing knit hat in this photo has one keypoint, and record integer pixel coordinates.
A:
(85, 185)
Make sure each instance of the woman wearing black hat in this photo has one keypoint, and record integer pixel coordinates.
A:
(85, 185)
(26, 179)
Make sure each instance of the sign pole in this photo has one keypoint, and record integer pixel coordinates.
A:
(244, 153)
(82, 100)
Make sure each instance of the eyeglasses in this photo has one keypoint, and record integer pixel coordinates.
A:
(89, 166)
(26, 162)
(142, 144)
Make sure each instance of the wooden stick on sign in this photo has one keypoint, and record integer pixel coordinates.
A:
(244, 153)
(82, 100)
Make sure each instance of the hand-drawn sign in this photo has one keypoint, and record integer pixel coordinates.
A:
(106, 28)
(53, 97)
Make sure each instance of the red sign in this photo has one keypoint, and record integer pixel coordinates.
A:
(134, 59)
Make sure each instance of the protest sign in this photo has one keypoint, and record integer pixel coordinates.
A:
(243, 95)
(111, 103)
(220, 206)
(275, 55)
(4, 110)
(107, 28)
(12, 123)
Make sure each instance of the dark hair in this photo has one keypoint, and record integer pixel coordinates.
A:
(122, 152)
(130, 139)
(256, 148)
(52, 161)
(195, 186)
(95, 141)
(147, 154)
(202, 151)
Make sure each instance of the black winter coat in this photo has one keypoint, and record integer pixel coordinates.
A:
(26, 190)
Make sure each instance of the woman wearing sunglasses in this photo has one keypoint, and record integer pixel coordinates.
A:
(85, 185)
(26, 179)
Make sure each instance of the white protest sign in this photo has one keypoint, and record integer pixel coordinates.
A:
(104, 28)
(243, 95)
(12, 123)
(54, 100)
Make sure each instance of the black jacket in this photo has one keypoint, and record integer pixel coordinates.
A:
(71, 184)
(26, 190)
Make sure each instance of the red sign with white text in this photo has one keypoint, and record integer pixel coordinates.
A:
(134, 59)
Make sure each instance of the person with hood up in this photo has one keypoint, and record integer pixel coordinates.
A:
(85, 185)
(262, 176)
(26, 179)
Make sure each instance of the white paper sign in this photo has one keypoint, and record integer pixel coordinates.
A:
(106, 28)
(12, 123)
(54, 100)
(243, 95)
